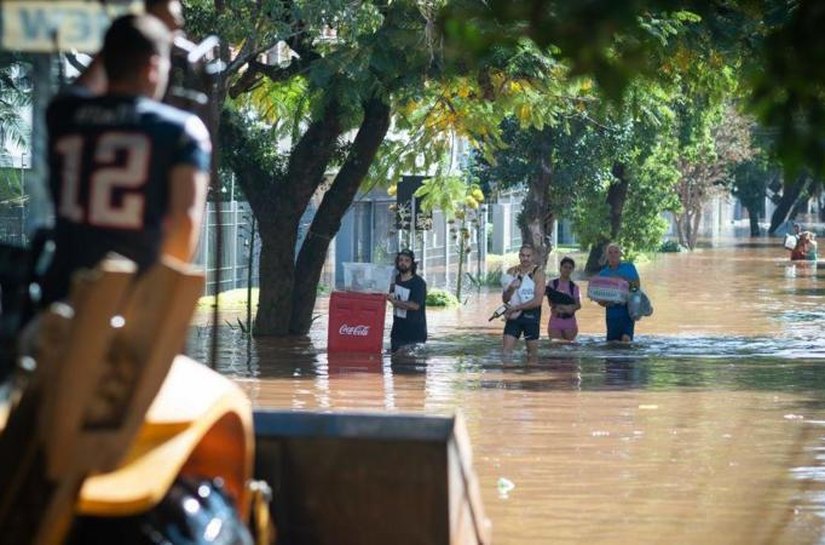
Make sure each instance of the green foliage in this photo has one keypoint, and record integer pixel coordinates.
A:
(650, 194)
(612, 41)
(11, 186)
(670, 246)
(751, 179)
(15, 95)
(776, 43)
(788, 83)
(441, 298)
(459, 199)
(489, 278)
(261, 150)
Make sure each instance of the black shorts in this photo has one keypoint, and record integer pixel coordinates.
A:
(528, 325)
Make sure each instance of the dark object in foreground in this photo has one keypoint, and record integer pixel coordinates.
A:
(556, 297)
(357, 479)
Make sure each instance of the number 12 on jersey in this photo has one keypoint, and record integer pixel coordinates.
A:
(120, 162)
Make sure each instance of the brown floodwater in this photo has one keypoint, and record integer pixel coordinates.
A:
(708, 429)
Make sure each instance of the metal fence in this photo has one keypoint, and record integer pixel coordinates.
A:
(240, 251)
(12, 224)
(374, 240)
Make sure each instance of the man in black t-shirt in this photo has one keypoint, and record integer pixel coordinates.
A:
(409, 301)
(127, 173)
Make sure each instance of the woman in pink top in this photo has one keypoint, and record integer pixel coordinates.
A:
(563, 323)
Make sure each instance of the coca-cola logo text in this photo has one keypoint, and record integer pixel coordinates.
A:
(354, 330)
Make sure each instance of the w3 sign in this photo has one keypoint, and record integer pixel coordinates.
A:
(59, 25)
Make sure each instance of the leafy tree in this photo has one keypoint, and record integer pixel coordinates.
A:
(15, 95)
(333, 96)
(460, 199)
(778, 42)
(633, 145)
(749, 183)
(705, 168)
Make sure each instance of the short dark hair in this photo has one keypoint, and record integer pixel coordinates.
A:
(567, 259)
(130, 42)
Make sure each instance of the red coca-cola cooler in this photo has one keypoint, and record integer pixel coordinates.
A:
(356, 322)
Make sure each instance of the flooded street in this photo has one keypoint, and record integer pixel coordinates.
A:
(709, 429)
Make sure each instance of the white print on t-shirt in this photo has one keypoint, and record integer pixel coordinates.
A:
(401, 294)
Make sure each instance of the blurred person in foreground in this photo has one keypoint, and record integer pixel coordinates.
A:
(170, 12)
(127, 173)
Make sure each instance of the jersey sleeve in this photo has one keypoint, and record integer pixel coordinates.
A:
(195, 147)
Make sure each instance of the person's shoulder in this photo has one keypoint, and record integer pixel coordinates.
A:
(73, 92)
(68, 98)
(627, 265)
(512, 271)
(165, 115)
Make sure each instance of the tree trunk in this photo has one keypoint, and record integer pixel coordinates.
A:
(680, 232)
(327, 220)
(278, 201)
(616, 197)
(790, 194)
(753, 220)
(696, 220)
(276, 271)
(536, 219)
(595, 259)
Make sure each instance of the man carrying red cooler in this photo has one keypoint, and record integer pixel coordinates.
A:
(408, 297)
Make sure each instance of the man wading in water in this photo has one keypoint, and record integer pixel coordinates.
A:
(409, 300)
(523, 316)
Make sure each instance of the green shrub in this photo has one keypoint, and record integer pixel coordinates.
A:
(490, 278)
(440, 298)
(670, 246)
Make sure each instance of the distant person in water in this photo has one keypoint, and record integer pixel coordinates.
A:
(806, 247)
(408, 298)
(562, 324)
(523, 315)
(620, 326)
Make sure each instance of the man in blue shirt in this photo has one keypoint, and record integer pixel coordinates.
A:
(619, 323)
